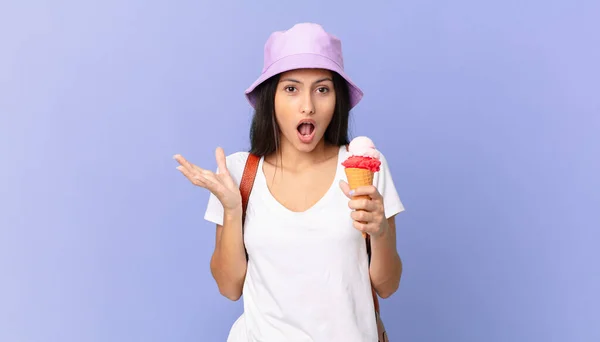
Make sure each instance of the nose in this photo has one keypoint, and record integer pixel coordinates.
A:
(308, 107)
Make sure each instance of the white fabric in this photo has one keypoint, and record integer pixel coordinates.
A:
(307, 277)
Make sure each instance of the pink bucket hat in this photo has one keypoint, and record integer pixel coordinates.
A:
(305, 45)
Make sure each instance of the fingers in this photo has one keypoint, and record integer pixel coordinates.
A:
(369, 190)
(367, 207)
(364, 227)
(183, 162)
(361, 226)
(362, 216)
(345, 188)
(365, 198)
(368, 217)
(203, 178)
(364, 203)
(194, 177)
(367, 224)
(221, 160)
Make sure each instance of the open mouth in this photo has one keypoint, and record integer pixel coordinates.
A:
(306, 131)
(306, 128)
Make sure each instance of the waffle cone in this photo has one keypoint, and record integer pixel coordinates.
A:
(359, 177)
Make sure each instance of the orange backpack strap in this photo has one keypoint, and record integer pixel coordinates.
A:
(247, 181)
(246, 185)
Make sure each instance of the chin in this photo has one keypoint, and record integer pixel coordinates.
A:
(310, 147)
(306, 148)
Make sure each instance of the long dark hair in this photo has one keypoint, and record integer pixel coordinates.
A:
(264, 131)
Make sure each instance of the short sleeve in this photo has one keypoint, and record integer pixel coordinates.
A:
(235, 164)
(385, 184)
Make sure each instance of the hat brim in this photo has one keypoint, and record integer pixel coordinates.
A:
(302, 61)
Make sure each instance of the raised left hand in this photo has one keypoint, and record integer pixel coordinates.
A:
(367, 209)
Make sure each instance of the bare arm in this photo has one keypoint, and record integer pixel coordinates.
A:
(386, 265)
(369, 217)
(228, 263)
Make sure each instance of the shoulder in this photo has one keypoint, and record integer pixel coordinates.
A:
(385, 183)
(236, 158)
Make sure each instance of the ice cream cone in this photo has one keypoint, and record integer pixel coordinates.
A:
(361, 164)
(357, 178)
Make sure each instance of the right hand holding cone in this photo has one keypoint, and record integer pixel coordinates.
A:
(368, 210)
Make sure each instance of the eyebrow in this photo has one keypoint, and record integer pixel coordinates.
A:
(296, 81)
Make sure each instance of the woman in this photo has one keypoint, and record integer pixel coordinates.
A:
(306, 276)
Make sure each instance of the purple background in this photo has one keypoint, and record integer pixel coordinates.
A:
(489, 113)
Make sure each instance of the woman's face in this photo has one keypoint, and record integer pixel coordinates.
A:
(304, 106)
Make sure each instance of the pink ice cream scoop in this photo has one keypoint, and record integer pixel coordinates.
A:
(363, 155)
(363, 147)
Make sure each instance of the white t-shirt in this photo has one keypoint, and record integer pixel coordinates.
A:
(308, 274)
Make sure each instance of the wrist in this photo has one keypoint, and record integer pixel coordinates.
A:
(232, 213)
(382, 233)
